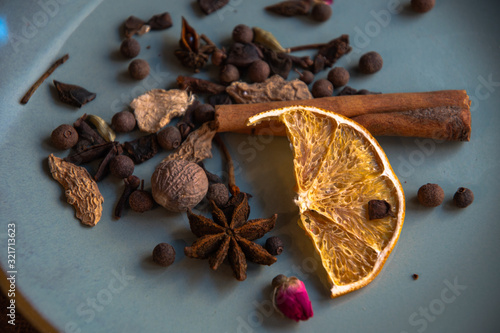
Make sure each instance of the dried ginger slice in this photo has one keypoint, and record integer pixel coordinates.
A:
(80, 189)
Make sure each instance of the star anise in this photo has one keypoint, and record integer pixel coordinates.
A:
(230, 235)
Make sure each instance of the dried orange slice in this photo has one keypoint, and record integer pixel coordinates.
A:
(339, 167)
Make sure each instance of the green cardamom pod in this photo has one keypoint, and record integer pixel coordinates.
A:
(102, 127)
(267, 39)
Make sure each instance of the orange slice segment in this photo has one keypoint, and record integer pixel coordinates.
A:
(339, 167)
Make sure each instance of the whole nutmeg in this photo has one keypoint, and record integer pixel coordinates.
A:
(338, 76)
(242, 34)
(179, 185)
(123, 121)
(430, 195)
(370, 62)
(139, 69)
(322, 88)
(259, 71)
(64, 137)
(130, 48)
(169, 138)
(164, 254)
(121, 166)
(229, 73)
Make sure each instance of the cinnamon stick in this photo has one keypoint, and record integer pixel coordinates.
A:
(441, 115)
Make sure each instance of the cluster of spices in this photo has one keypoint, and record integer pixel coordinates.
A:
(432, 195)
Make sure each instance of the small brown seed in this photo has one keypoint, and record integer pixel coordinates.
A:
(130, 48)
(242, 34)
(338, 76)
(422, 6)
(370, 63)
(141, 201)
(274, 245)
(64, 137)
(164, 254)
(169, 138)
(219, 193)
(123, 121)
(204, 113)
(322, 88)
(321, 12)
(463, 197)
(430, 195)
(306, 76)
(121, 166)
(229, 73)
(259, 71)
(139, 69)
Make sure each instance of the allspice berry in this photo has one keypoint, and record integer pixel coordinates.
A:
(219, 193)
(139, 69)
(164, 254)
(242, 34)
(430, 195)
(121, 166)
(123, 121)
(64, 137)
(179, 185)
(229, 73)
(322, 88)
(338, 76)
(274, 245)
(463, 197)
(370, 63)
(141, 201)
(259, 71)
(321, 12)
(203, 113)
(130, 48)
(169, 138)
(422, 6)
(306, 76)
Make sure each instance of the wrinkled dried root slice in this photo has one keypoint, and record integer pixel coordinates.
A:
(80, 189)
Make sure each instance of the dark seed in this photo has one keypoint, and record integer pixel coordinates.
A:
(274, 245)
(242, 34)
(463, 197)
(430, 195)
(141, 201)
(378, 209)
(219, 193)
(123, 121)
(322, 88)
(130, 48)
(160, 21)
(415, 276)
(204, 113)
(64, 137)
(321, 12)
(307, 77)
(422, 6)
(370, 63)
(229, 73)
(258, 71)
(164, 254)
(121, 166)
(338, 76)
(139, 69)
(132, 25)
(169, 138)
(73, 95)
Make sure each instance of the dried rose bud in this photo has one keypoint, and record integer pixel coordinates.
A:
(291, 299)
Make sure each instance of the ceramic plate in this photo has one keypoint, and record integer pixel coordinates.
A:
(72, 278)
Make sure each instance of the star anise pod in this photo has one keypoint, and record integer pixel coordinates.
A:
(230, 235)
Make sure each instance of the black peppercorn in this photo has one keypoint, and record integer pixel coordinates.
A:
(141, 201)
(338, 76)
(64, 137)
(370, 63)
(229, 73)
(322, 88)
(164, 254)
(274, 245)
(306, 76)
(242, 34)
(121, 166)
(123, 121)
(259, 71)
(430, 195)
(219, 193)
(204, 113)
(169, 138)
(130, 48)
(321, 12)
(139, 69)
(463, 197)
(422, 6)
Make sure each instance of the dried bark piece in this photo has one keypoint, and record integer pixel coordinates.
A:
(273, 89)
(335, 49)
(157, 107)
(210, 6)
(73, 95)
(143, 148)
(197, 146)
(80, 189)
